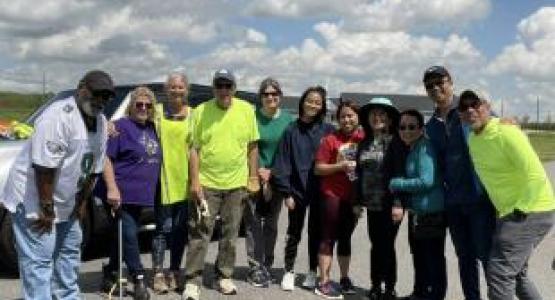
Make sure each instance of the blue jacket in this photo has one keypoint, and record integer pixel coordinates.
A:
(422, 180)
(293, 169)
(461, 184)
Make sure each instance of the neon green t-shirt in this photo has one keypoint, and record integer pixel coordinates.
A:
(175, 138)
(510, 169)
(222, 137)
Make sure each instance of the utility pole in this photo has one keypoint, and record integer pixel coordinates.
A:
(43, 85)
(502, 108)
(538, 109)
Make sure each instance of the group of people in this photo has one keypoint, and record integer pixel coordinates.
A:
(224, 162)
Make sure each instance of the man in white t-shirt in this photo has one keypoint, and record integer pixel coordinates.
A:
(49, 183)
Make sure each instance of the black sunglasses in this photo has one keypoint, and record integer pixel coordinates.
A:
(223, 85)
(463, 107)
(407, 127)
(433, 83)
(104, 95)
(267, 94)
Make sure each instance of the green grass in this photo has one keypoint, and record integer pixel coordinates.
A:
(544, 144)
(17, 106)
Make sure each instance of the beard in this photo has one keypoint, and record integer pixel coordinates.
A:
(89, 109)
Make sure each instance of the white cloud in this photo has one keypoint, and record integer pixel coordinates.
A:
(372, 61)
(526, 68)
(379, 14)
(256, 36)
(532, 57)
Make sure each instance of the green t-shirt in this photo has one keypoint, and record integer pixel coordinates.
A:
(221, 137)
(510, 170)
(271, 130)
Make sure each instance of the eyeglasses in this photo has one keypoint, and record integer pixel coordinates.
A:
(221, 86)
(268, 94)
(143, 105)
(463, 107)
(429, 85)
(408, 127)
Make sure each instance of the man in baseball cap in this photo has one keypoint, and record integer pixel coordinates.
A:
(49, 184)
(223, 163)
(470, 214)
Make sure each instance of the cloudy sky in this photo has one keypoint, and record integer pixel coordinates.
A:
(505, 49)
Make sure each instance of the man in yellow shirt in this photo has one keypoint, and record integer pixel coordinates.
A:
(520, 191)
(222, 165)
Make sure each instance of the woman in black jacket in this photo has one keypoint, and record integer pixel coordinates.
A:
(380, 157)
(293, 178)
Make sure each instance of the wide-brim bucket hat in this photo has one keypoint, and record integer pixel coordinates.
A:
(379, 102)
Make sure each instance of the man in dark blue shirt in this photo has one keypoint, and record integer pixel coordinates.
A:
(470, 215)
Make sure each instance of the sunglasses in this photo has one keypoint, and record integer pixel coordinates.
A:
(143, 105)
(221, 86)
(104, 95)
(433, 83)
(268, 94)
(407, 127)
(474, 105)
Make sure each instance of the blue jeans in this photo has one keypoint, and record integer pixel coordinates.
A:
(171, 229)
(471, 228)
(48, 262)
(130, 215)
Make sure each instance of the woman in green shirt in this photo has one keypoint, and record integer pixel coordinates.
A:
(261, 236)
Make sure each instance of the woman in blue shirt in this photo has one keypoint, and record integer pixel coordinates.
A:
(423, 184)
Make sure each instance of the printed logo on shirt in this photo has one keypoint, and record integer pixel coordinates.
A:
(68, 108)
(55, 148)
(150, 145)
(86, 169)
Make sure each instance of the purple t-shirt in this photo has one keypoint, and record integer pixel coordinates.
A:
(136, 156)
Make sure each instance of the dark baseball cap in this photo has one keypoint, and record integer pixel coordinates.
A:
(224, 74)
(98, 81)
(435, 72)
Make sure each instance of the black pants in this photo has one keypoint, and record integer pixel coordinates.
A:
(383, 261)
(430, 269)
(294, 231)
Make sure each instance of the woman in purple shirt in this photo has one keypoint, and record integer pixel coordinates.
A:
(131, 173)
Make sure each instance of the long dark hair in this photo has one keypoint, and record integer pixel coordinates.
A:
(320, 91)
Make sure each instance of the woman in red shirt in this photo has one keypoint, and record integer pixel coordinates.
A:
(335, 163)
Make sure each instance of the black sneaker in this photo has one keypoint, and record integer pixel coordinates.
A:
(389, 295)
(328, 290)
(269, 277)
(375, 293)
(347, 287)
(257, 278)
(109, 280)
(140, 291)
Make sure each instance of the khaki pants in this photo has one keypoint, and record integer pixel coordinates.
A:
(229, 205)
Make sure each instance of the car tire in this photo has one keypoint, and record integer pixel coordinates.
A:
(7, 246)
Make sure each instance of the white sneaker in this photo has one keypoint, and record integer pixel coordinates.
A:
(191, 292)
(310, 280)
(226, 286)
(288, 281)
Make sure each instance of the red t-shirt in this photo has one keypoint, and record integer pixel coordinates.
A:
(337, 147)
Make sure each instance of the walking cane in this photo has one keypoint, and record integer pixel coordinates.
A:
(120, 280)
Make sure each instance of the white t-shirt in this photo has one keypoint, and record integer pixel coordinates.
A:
(60, 141)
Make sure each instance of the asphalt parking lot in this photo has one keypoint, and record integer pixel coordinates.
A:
(540, 269)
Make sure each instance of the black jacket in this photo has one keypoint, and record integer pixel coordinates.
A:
(293, 169)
